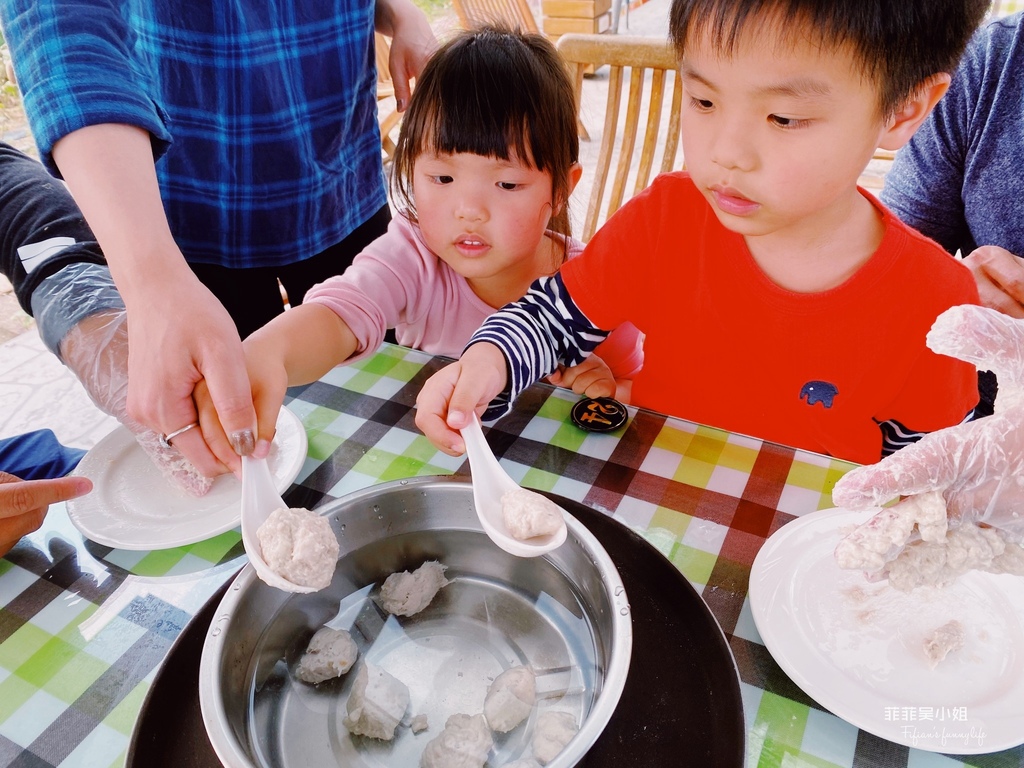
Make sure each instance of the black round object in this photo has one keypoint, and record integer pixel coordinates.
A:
(681, 705)
(599, 414)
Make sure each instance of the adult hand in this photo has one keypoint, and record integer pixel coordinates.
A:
(448, 399)
(1000, 278)
(179, 334)
(23, 503)
(173, 349)
(977, 467)
(412, 43)
(96, 351)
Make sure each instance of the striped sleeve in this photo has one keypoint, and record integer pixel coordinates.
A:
(535, 334)
(896, 436)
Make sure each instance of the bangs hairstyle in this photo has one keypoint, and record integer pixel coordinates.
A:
(899, 43)
(497, 93)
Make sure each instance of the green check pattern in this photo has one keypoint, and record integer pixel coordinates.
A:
(83, 628)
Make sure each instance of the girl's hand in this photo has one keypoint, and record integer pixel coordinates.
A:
(451, 395)
(591, 378)
(268, 381)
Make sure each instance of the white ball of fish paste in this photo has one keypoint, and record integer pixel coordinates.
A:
(300, 546)
(942, 641)
(377, 703)
(464, 743)
(510, 698)
(419, 723)
(406, 594)
(553, 731)
(528, 514)
(330, 653)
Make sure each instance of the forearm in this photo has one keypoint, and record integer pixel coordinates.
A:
(309, 340)
(536, 334)
(110, 171)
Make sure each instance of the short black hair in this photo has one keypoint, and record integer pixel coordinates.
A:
(492, 92)
(900, 43)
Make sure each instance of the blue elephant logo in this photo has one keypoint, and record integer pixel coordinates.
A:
(819, 392)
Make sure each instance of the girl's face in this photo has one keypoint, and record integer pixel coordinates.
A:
(486, 218)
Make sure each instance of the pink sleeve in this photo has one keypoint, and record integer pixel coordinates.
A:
(377, 290)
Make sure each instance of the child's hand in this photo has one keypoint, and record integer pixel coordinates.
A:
(591, 378)
(268, 381)
(451, 395)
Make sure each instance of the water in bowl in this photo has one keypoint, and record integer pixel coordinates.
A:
(498, 612)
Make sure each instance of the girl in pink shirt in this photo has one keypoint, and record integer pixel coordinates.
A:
(483, 169)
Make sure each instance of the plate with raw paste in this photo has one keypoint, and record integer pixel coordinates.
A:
(133, 506)
(858, 647)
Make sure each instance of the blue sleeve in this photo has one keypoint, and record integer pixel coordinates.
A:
(535, 334)
(75, 67)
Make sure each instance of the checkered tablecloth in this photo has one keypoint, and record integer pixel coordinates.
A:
(83, 628)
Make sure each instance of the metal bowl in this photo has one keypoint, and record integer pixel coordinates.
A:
(564, 614)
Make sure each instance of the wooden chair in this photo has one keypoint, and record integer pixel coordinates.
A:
(385, 90)
(516, 14)
(650, 65)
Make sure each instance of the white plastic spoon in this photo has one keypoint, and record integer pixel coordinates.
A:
(259, 499)
(490, 482)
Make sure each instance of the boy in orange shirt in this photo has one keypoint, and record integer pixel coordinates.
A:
(778, 299)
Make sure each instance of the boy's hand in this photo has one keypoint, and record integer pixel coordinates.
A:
(23, 503)
(1000, 278)
(451, 395)
(591, 378)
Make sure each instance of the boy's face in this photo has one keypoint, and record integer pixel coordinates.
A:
(776, 133)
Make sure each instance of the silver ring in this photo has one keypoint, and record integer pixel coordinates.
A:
(165, 440)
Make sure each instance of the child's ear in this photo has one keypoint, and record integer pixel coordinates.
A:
(902, 125)
(575, 174)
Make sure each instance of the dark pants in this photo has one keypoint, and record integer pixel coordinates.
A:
(252, 296)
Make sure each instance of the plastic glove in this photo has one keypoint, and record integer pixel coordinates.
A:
(96, 351)
(975, 470)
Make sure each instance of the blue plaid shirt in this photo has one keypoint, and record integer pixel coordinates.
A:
(262, 112)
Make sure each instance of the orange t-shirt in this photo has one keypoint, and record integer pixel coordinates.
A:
(729, 348)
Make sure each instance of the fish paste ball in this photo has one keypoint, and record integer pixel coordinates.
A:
(330, 653)
(528, 514)
(553, 731)
(464, 743)
(377, 703)
(300, 546)
(406, 594)
(510, 698)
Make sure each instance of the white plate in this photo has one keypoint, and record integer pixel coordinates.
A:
(133, 506)
(856, 647)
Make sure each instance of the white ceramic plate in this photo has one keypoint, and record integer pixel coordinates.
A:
(856, 647)
(133, 506)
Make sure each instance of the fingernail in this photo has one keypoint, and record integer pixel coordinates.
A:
(262, 449)
(243, 441)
